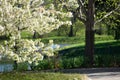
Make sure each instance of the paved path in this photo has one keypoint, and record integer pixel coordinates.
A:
(97, 73)
(105, 76)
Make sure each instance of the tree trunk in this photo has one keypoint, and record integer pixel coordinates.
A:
(71, 31)
(117, 34)
(89, 34)
(73, 19)
(108, 30)
(34, 35)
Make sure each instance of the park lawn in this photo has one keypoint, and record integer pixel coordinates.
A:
(75, 40)
(104, 44)
(40, 76)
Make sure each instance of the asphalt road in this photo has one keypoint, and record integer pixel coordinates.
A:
(104, 76)
(97, 73)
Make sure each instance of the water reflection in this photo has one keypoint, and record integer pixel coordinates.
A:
(6, 67)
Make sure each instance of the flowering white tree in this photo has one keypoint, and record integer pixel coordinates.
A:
(30, 15)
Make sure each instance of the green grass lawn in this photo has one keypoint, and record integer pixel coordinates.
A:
(104, 43)
(76, 39)
(40, 76)
(100, 47)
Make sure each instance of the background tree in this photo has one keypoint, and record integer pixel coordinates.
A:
(112, 23)
(109, 6)
(69, 7)
(89, 12)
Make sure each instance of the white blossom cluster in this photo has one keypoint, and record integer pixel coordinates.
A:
(20, 14)
(70, 4)
(30, 15)
(25, 50)
(1, 28)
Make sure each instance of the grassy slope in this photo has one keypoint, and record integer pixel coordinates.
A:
(104, 43)
(40, 76)
(101, 47)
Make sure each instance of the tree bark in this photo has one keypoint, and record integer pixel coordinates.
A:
(71, 31)
(89, 34)
(73, 19)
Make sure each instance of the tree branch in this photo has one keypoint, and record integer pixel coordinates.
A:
(81, 4)
(82, 19)
(107, 14)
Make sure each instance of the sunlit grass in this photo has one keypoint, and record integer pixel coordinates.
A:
(76, 39)
(40, 76)
(97, 43)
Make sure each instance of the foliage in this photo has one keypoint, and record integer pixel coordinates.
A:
(45, 64)
(23, 66)
(105, 6)
(112, 23)
(100, 60)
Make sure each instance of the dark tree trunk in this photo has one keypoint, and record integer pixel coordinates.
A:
(15, 65)
(89, 46)
(73, 19)
(89, 34)
(34, 35)
(117, 34)
(108, 30)
(71, 31)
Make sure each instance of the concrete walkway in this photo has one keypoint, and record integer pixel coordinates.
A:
(97, 73)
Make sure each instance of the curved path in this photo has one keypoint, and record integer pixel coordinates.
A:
(97, 73)
(105, 76)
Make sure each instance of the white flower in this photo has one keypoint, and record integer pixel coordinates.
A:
(50, 41)
(69, 14)
(1, 28)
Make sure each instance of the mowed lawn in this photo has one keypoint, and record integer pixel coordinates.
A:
(40, 76)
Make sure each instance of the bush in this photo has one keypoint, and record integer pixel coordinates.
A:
(45, 64)
(22, 66)
(107, 60)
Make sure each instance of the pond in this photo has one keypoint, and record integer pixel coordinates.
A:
(60, 45)
(6, 67)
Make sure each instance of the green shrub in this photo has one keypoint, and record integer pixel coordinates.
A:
(107, 60)
(45, 64)
(22, 66)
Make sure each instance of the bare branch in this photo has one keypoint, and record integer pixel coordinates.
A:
(107, 14)
(80, 15)
(81, 4)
